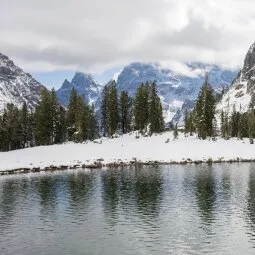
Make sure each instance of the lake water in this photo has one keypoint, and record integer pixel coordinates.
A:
(149, 210)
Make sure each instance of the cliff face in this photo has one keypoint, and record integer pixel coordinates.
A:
(16, 86)
(240, 93)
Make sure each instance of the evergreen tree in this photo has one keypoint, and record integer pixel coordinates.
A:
(3, 134)
(113, 112)
(24, 125)
(72, 114)
(155, 111)
(92, 123)
(61, 130)
(186, 122)
(104, 112)
(234, 122)
(176, 134)
(125, 112)
(251, 117)
(141, 107)
(205, 111)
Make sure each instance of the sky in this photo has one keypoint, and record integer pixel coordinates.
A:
(53, 38)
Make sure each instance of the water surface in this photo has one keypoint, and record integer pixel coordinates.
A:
(149, 210)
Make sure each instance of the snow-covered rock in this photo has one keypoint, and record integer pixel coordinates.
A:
(16, 86)
(243, 87)
(84, 84)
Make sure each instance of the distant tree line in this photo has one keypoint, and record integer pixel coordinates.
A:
(143, 113)
(51, 123)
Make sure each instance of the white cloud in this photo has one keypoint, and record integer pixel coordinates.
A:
(94, 35)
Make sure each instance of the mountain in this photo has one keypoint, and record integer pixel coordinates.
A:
(176, 91)
(84, 84)
(16, 86)
(243, 87)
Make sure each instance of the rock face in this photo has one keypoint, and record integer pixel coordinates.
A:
(177, 92)
(16, 86)
(85, 86)
(239, 94)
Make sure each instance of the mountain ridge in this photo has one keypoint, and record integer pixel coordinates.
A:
(16, 86)
(241, 91)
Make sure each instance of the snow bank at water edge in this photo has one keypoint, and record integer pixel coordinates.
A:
(128, 148)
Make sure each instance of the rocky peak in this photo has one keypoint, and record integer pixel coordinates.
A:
(85, 86)
(16, 86)
(66, 84)
(243, 87)
(83, 80)
(248, 71)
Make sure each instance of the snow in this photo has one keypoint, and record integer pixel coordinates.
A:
(231, 99)
(127, 147)
(116, 76)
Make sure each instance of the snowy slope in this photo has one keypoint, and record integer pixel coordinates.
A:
(16, 86)
(84, 84)
(126, 148)
(176, 91)
(242, 89)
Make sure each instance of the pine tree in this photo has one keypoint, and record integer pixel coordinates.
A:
(155, 111)
(113, 111)
(205, 111)
(251, 118)
(43, 120)
(233, 125)
(104, 112)
(176, 134)
(223, 125)
(72, 114)
(125, 112)
(141, 107)
(61, 130)
(3, 134)
(24, 125)
(186, 122)
(92, 123)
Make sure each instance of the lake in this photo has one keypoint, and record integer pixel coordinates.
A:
(192, 209)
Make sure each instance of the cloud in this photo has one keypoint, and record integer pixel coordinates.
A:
(92, 36)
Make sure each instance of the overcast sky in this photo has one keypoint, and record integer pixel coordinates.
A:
(60, 36)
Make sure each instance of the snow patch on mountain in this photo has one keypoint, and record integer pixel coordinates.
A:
(16, 86)
(240, 93)
(175, 90)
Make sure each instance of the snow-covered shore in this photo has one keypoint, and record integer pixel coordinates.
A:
(128, 148)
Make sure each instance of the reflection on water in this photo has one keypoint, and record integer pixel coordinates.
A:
(147, 210)
(206, 193)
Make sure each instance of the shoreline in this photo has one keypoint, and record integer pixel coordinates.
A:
(116, 165)
(127, 150)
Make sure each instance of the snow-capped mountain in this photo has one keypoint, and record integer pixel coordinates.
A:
(16, 86)
(243, 87)
(177, 92)
(84, 84)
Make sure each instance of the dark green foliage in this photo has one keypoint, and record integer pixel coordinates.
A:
(113, 108)
(205, 111)
(155, 111)
(122, 115)
(47, 120)
(189, 125)
(14, 128)
(104, 112)
(125, 112)
(49, 124)
(148, 109)
(141, 107)
(176, 134)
